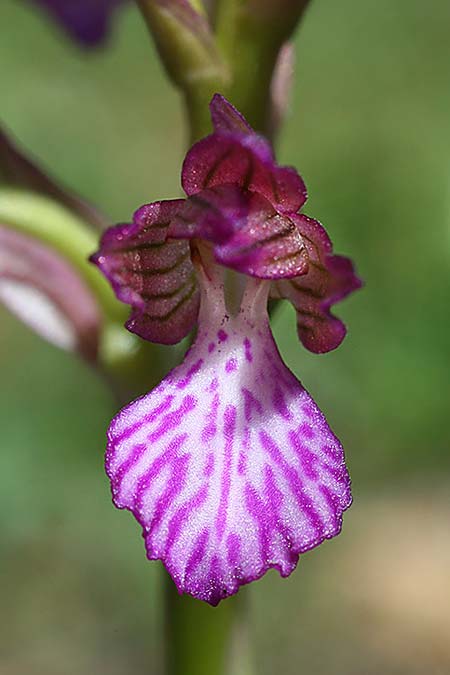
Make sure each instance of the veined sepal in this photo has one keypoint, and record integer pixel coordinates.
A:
(47, 281)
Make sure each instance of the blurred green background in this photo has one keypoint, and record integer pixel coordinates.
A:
(369, 129)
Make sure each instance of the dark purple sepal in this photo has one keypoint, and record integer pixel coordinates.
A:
(235, 154)
(329, 279)
(46, 293)
(247, 234)
(151, 273)
(85, 21)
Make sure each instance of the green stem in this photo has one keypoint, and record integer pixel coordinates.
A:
(188, 49)
(204, 640)
(252, 54)
(250, 34)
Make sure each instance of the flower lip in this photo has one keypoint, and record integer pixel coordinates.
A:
(228, 465)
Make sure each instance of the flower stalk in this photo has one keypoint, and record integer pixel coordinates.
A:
(228, 465)
(236, 57)
(201, 640)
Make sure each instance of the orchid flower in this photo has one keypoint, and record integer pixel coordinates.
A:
(228, 465)
(86, 21)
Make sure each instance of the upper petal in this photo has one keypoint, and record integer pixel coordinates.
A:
(152, 274)
(226, 118)
(228, 465)
(330, 278)
(247, 233)
(236, 154)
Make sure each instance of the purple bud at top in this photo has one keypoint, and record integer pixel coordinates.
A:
(86, 21)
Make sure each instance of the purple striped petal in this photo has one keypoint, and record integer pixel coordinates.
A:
(330, 278)
(152, 274)
(46, 293)
(86, 21)
(235, 154)
(249, 236)
(228, 465)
